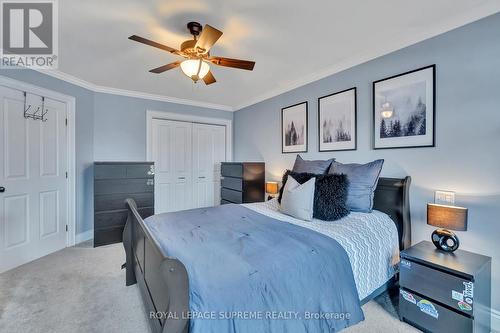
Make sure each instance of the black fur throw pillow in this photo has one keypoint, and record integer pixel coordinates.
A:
(330, 194)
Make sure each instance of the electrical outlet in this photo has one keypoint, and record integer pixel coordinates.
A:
(444, 198)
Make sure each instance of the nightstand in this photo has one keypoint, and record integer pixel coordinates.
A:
(445, 292)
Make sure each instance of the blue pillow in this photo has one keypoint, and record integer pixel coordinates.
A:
(363, 179)
(318, 167)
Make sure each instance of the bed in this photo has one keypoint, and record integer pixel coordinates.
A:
(159, 263)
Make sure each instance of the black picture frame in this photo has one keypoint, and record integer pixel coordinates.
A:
(306, 136)
(376, 128)
(355, 120)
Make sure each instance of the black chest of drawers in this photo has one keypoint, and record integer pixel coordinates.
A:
(113, 183)
(445, 292)
(242, 182)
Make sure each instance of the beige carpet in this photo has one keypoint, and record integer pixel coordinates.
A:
(82, 289)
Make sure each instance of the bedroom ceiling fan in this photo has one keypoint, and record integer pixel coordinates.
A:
(197, 54)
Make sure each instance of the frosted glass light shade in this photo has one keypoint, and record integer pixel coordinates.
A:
(195, 68)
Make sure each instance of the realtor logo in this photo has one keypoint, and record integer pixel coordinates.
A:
(29, 34)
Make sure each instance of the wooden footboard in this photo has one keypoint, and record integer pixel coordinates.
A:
(163, 281)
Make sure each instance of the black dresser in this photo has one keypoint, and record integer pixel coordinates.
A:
(242, 182)
(445, 292)
(113, 183)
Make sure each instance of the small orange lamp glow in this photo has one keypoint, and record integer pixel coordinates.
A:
(272, 187)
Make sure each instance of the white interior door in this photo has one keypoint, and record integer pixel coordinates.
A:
(172, 154)
(33, 207)
(209, 149)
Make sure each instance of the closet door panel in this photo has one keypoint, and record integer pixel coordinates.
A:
(172, 150)
(209, 146)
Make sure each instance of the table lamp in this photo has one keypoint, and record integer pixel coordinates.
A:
(271, 188)
(446, 217)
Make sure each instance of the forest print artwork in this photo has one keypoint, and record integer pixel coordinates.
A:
(404, 110)
(337, 121)
(409, 109)
(294, 128)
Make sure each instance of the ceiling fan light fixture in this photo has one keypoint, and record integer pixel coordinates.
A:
(195, 69)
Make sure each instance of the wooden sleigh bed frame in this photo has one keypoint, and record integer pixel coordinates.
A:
(163, 281)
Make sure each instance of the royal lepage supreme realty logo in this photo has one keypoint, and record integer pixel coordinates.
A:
(29, 34)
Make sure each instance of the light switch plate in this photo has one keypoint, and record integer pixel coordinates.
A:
(444, 197)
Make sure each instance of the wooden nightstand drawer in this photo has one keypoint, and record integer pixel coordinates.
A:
(445, 292)
(446, 288)
(431, 316)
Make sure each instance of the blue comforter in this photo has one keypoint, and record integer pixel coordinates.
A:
(250, 273)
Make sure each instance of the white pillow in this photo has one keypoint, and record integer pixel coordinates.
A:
(297, 199)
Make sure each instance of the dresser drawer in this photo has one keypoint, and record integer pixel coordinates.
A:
(431, 316)
(114, 186)
(231, 195)
(444, 287)
(140, 171)
(232, 170)
(105, 202)
(232, 183)
(117, 218)
(108, 236)
(110, 171)
(225, 202)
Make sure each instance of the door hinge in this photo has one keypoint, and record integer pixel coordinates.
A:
(66, 121)
(66, 228)
(66, 174)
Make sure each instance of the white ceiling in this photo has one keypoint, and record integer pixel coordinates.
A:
(292, 42)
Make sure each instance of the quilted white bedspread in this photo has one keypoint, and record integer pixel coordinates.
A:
(370, 240)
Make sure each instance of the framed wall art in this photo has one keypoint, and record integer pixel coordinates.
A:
(337, 121)
(404, 110)
(294, 128)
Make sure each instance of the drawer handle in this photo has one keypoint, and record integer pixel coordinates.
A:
(150, 182)
(182, 177)
(202, 177)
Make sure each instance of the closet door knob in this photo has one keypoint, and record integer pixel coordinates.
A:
(2, 189)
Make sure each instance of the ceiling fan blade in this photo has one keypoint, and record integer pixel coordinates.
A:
(209, 35)
(209, 78)
(235, 63)
(154, 44)
(165, 68)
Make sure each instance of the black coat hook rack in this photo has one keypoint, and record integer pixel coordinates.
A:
(40, 112)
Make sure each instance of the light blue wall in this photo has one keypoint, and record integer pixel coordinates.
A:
(108, 128)
(467, 156)
(120, 125)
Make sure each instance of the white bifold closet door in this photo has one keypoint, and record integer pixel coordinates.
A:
(187, 160)
(33, 165)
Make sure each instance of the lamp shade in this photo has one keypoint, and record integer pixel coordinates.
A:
(449, 217)
(272, 187)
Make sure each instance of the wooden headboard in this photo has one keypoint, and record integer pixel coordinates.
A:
(392, 196)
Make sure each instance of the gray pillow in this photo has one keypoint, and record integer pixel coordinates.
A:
(319, 167)
(298, 200)
(363, 179)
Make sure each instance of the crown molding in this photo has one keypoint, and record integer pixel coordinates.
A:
(394, 44)
(129, 93)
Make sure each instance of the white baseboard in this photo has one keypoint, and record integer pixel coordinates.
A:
(495, 320)
(84, 236)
